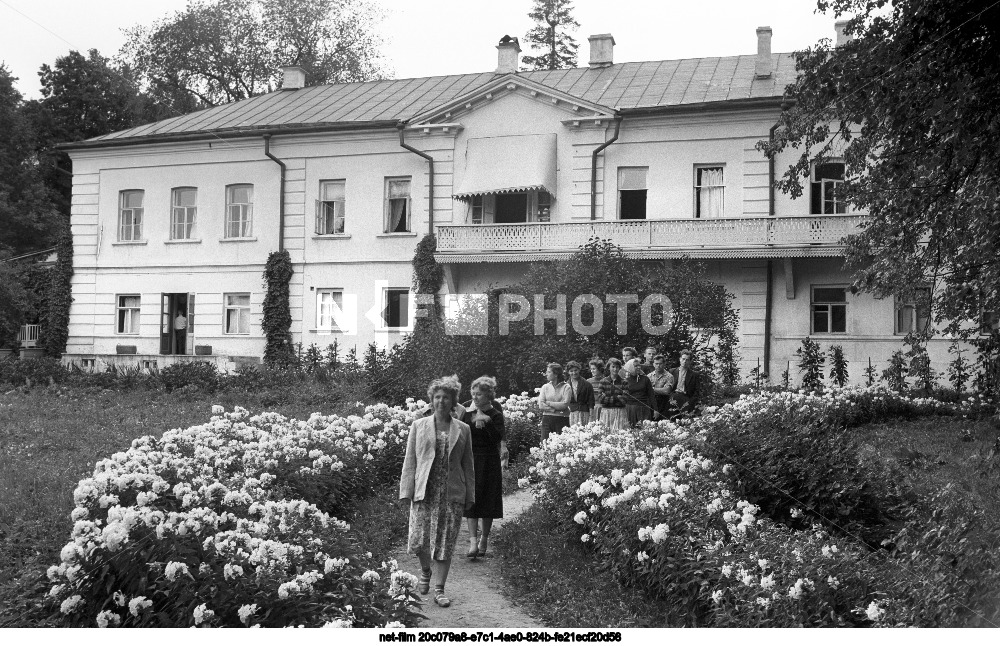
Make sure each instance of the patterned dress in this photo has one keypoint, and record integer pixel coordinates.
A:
(434, 522)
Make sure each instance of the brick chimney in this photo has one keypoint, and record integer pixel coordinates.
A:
(508, 55)
(842, 38)
(762, 69)
(293, 77)
(602, 48)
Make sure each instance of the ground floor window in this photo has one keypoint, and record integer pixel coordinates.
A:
(328, 301)
(237, 314)
(128, 314)
(829, 309)
(396, 312)
(913, 312)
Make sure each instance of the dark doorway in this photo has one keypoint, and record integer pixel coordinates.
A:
(177, 323)
(511, 208)
(633, 205)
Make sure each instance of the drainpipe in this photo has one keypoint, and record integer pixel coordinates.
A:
(769, 298)
(430, 176)
(281, 199)
(593, 167)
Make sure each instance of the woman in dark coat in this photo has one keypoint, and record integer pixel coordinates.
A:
(489, 450)
(583, 396)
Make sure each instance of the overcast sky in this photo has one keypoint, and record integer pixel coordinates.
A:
(428, 38)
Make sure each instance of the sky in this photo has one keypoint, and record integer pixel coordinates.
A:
(429, 38)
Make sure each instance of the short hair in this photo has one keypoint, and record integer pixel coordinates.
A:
(614, 361)
(660, 357)
(597, 361)
(556, 368)
(485, 384)
(650, 347)
(573, 364)
(686, 351)
(629, 348)
(450, 385)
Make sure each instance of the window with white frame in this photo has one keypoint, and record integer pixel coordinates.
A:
(826, 195)
(128, 314)
(236, 317)
(913, 312)
(709, 192)
(130, 216)
(477, 209)
(397, 205)
(239, 211)
(396, 312)
(331, 207)
(183, 210)
(544, 210)
(632, 192)
(829, 309)
(328, 302)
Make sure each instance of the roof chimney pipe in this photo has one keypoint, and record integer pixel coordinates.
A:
(842, 38)
(602, 48)
(293, 77)
(508, 55)
(763, 70)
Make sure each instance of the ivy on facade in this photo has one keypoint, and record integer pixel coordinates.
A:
(55, 326)
(428, 275)
(277, 322)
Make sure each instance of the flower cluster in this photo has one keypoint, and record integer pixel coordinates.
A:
(242, 504)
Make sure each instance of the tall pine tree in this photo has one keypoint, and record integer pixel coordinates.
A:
(550, 36)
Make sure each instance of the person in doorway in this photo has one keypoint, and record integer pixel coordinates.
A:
(685, 393)
(553, 401)
(663, 385)
(489, 451)
(439, 480)
(583, 396)
(180, 331)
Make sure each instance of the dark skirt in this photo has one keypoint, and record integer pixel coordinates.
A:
(489, 487)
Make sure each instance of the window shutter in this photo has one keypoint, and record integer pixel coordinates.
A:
(190, 316)
(319, 218)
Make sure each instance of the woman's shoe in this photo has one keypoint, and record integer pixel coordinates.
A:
(473, 552)
(481, 549)
(424, 582)
(441, 600)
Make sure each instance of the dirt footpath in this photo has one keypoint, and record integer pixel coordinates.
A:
(473, 586)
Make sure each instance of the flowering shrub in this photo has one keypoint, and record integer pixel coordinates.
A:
(522, 423)
(229, 524)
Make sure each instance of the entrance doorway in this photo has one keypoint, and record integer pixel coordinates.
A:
(177, 323)
(511, 208)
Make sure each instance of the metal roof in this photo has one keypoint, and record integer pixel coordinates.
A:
(622, 86)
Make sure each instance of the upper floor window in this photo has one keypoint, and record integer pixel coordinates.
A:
(239, 211)
(632, 192)
(826, 195)
(709, 192)
(544, 206)
(127, 314)
(397, 205)
(130, 215)
(477, 209)
(331, 208)
(913, 312)
(237, 314)
(184, 208)
(829, 309)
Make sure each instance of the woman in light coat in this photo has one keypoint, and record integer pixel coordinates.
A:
(439, 480)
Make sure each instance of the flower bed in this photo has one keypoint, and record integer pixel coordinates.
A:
(232, 524)
(665, 517)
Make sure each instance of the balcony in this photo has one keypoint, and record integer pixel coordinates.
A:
(761, 237)
(27, 336)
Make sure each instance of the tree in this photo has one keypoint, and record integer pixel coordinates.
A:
(83, 97)
(28, 222)
(550, 35)
(911, 106)
(226, 50)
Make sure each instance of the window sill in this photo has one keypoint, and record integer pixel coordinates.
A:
(130, 335)
(325, 331)
(127, 243)
(183, 241)
(234, 334)
(408, 234)
(394, 330)
(331, 236)
(237, 239)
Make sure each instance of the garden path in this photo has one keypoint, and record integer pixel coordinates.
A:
(473, 586)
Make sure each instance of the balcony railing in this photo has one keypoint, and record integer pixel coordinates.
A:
(27, 336)
(698, 237)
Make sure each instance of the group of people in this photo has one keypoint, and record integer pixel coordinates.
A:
(455, 453)
(620, 392)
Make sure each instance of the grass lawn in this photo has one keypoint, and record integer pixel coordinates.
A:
(50, 439)
(560, 581)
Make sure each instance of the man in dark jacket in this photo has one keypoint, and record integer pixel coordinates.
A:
(685, 393)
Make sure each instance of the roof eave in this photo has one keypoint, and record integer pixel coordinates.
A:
(729, 104)
(232, 133)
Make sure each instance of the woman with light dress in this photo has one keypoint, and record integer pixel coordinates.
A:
(613, 389)
(439, 480)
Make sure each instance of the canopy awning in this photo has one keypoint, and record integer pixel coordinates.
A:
(509, 165)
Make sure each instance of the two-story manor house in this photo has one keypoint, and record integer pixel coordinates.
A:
(177, 218)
